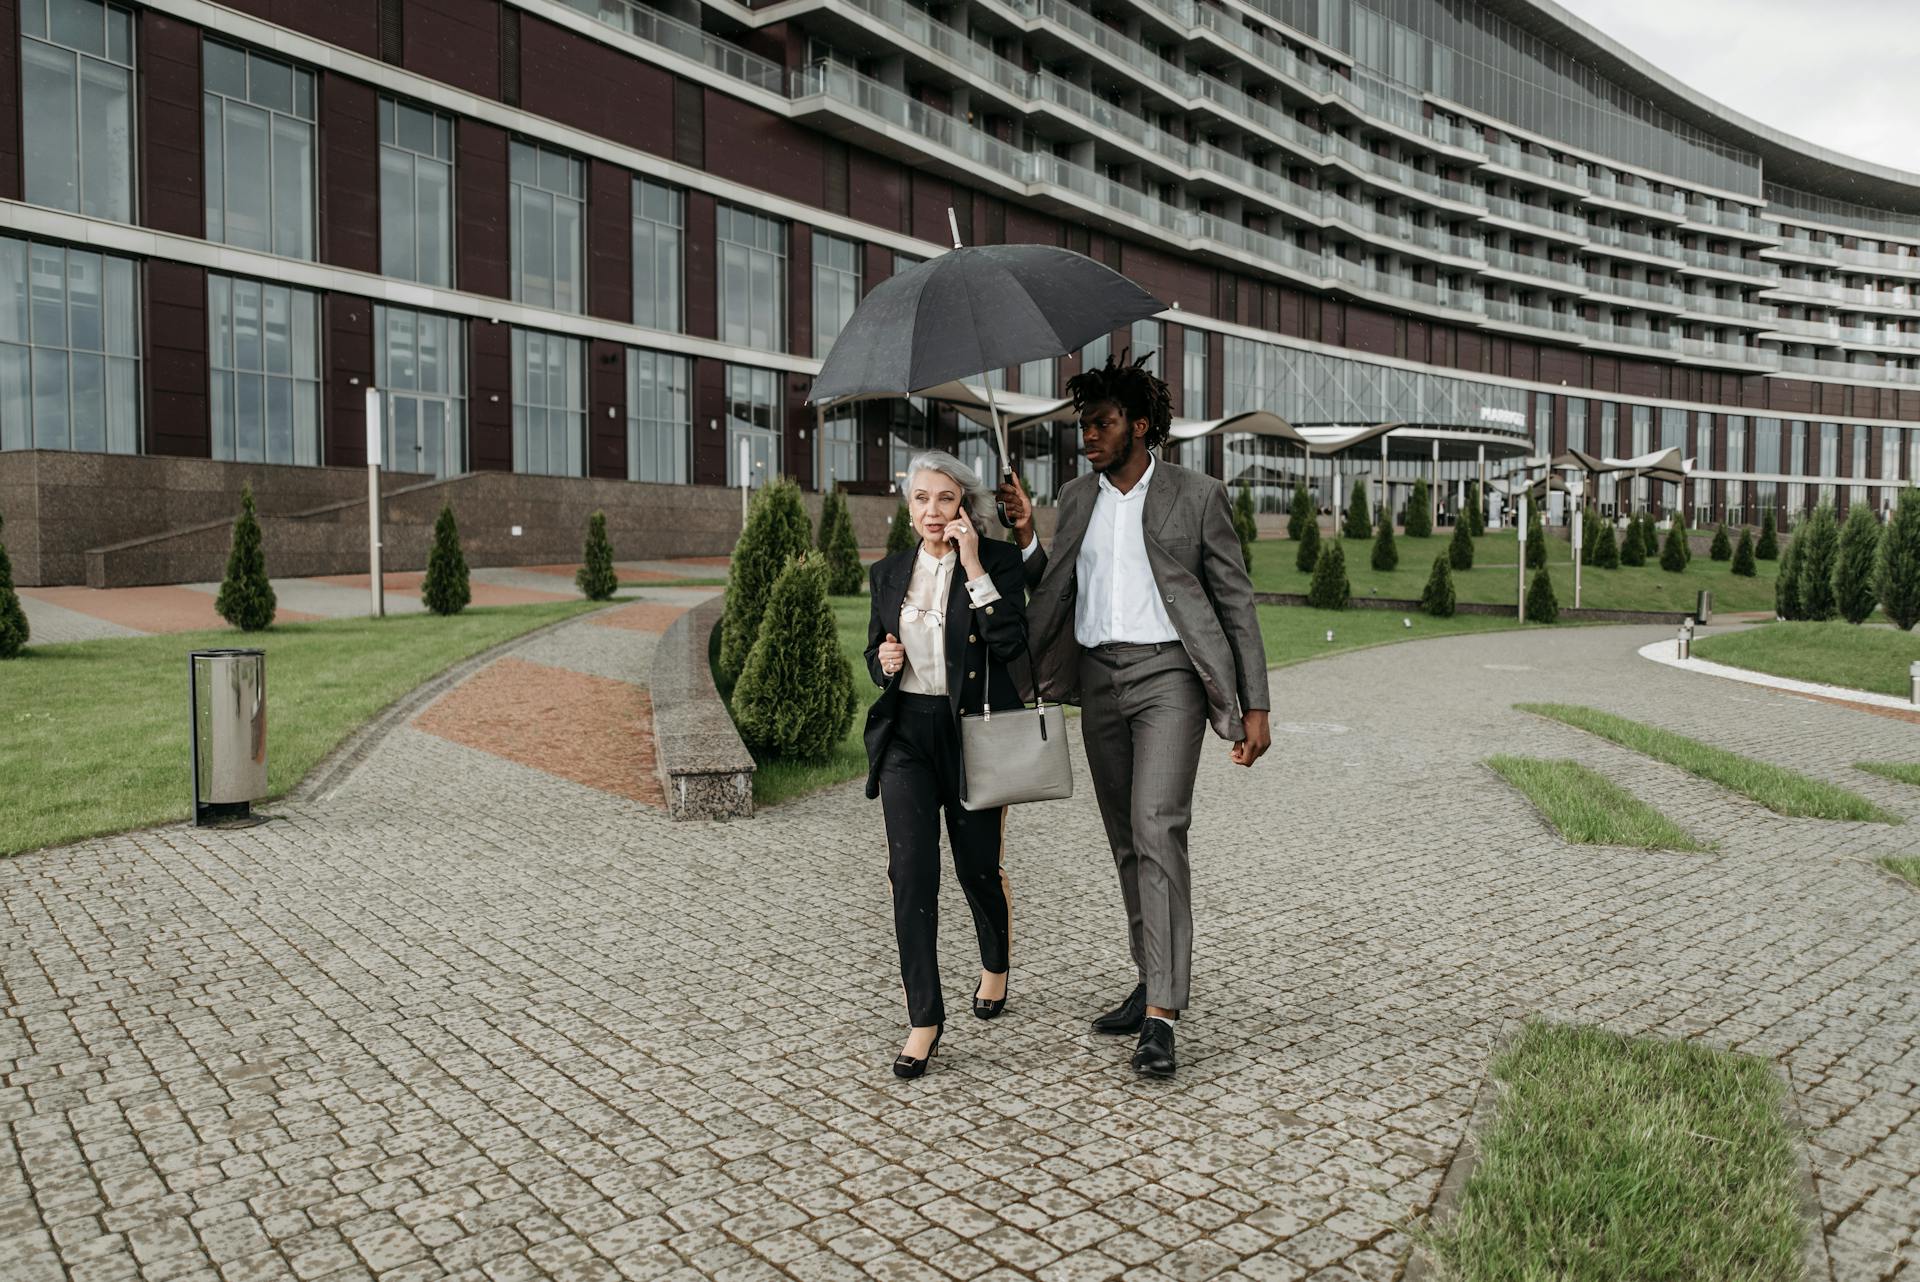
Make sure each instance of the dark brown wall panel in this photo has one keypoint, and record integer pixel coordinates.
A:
(490, 399)
(709, 407)
(349, 173)
(1369, 331)
(752, 146)
(1560, 365)
(10, 174)
(176, 366)
(592, 86)
(1028, 227)
(931, 198)
(349, 322)
(879, 193)
(609, 241)
(481, 209)
(1169, 279)
(351, 24)
(606, 410)
(170, 126)
(800, 289)
(456, 42)
(703, 318)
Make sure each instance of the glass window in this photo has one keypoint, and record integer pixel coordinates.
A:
(1193, 374)
(1858, 493)
(264, 357)
(259, 151)
(1144, 339)
(753, 425)
(547, 194)
(909, 430)
(417, 361)
(659, 248)
(752, 279)
(416, 193)
(76, 84)
(836, 288)
(549, 404)
(69, 350)
(1040, 378)
(836, 448)
(1094, 354)
(659, 417)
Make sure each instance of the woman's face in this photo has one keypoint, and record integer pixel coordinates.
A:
(933, 500)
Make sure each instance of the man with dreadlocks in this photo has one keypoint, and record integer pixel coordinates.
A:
(1143, 615)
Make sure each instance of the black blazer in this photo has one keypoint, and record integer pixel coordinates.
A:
(978, 642)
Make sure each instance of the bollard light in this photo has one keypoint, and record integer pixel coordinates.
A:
(1329, 634)
(1913, 676)
(1406, 623)
(1685, 638)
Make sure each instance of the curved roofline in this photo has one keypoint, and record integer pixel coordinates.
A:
(1785, 159)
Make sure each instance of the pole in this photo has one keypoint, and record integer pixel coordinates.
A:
(744, 458)
(1577, 522)
(376, 441)
(1520, 524)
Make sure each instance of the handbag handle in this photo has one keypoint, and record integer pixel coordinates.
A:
(986, 682)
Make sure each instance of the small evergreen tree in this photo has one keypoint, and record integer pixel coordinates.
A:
(1679, 527)
(1245, 527)
(1768, 548)
(1330, 589)
(1542, 605)
(1743, 563)
(1819, 542)
(1673, 557)
(446, 589)
(1633, 550)
(1419, 517)
(1606, 550)
(1722, 549)
(777, 532)
(794, 700)
(1899, 567)
(1589, 535)
(1536, 538)
(596, 577)
(1300, 513)
(900, 535)
(1476, 512)
(1786, 586)
(1359, 512)
(1460, 547)
(1855, 589)
(246, 598)
(1437, 597)
(1386, 556)
(1306, 553)
(838, 548)
(14, 630)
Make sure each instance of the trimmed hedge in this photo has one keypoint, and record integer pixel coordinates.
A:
(1330, 589)
(1768, 548)
(1542, 605)
(447, 589)
(900, 535)
(1245, 527)
(777, 532)
(1437, 597)
(14, 629)
(246, 597)
(1306, 553)
(1386, 555)
(1743, 562)
(794, 700)
(1899, 567)
(838, 548)
(1855, 586)
(1359, 520)
(1460, 547)
(1419, 515)
(1819, 541)
(596, 577)
(1300, 514)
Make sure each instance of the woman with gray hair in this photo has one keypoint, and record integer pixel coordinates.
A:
(949, 615)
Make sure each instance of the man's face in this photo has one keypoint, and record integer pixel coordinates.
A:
(1107, 437)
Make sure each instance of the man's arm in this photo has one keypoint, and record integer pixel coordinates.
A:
(1232, 593)
(1012, 496)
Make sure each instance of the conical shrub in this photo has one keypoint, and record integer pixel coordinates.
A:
(1386, 556)
(1818, 539)
(1476, 510)
(1300, 512)
(1673, 556)
(1536, 538)
(900, 535)
(1330, 589)
(596, 577)
(1245, 527)
(1437, 597)
(1786, 586)
(1679, 527)
(838, 547)
(1722, 549)
(1606, 549)
(1306, 553)
(1743, 562)
(246, 598)
(14, 630)
(1633, 548)
(1855, 583)
(1589, 535)
(1418, 521)
(1460, 547)
(1542, 605)
(446, 589)
(1768, 548)
(777, 532)
(1359, 522)
(794, 700)
(1899, 567)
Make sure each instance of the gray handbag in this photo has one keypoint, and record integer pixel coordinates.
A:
(1015, 754)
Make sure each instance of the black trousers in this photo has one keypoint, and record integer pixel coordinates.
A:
(920, 777)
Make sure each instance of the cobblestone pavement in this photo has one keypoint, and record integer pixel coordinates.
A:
(466, 1018)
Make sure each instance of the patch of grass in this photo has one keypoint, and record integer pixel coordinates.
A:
(1628, 1158)
(95, 732)
(1898, 771)
(673, 583)
(1834, 653)
(1589, 808)
(1907, 868)
(1780, 790)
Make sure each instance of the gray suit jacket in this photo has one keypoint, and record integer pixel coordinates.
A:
(1197, 568)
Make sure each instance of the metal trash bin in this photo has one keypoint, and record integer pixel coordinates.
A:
(228, 694)
(1703, 607)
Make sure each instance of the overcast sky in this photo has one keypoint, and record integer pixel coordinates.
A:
(1842, 73)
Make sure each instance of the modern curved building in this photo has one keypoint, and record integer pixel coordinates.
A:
(597, 247)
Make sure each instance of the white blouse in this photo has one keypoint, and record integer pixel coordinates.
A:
(923, 619)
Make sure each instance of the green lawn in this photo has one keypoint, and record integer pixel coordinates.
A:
(1588, 808)
(1494, 576)
(674, 583)
(1898, 771)
(1907, 868)
(1835, 653)
(1780, 790)
(1613, 1158)
(96, 736)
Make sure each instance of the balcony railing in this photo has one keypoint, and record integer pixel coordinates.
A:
(657, 28)
(1672, 204)
(1749, 313)
(1538, 215)
(1634, 241)
(1635, 290)
(1908, 300)
(1566, 274)
(1848, 369)
(1757, 268)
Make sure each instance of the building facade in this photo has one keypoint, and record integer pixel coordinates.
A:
(612, 240)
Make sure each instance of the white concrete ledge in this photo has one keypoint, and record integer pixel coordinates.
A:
(1666, 652)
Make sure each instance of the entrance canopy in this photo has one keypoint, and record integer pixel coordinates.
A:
(1248, 422)
(1660, 465)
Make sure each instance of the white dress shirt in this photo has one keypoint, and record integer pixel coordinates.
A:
(1117, 599)
(923, 619)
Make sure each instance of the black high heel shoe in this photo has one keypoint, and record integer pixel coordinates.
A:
(908, 1066)
(987, 1007)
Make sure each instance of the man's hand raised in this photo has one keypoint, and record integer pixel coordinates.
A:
(1013, 497)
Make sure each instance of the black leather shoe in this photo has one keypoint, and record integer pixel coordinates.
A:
(1126, 1017)
(1154, 1057)
(908, 1066)
(987, 1007)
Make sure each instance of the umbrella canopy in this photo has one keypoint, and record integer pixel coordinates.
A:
(975, 309)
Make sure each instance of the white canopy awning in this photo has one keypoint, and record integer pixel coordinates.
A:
(1250, 422)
